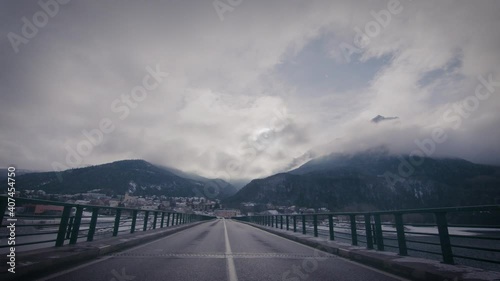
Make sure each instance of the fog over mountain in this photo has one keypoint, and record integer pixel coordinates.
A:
(249, 91)
(374, 179)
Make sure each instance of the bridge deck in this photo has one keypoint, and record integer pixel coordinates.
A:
(221, 250)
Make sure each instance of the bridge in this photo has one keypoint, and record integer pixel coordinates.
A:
(81, 242)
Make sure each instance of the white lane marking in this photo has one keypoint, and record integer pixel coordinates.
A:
(229, 257)
(101, 259)
(342, 258)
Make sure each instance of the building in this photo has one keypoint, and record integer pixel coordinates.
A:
(227, 213)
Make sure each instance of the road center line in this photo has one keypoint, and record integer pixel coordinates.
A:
(229, 257)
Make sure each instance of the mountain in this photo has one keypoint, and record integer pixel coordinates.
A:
(137, 177)
(372, 180)
(18, 172)
(215, 185)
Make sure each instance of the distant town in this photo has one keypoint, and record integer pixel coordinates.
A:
(192, 205)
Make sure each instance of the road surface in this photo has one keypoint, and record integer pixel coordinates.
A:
(221, 250)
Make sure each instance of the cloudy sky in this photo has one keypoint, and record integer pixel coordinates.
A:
(243, 89)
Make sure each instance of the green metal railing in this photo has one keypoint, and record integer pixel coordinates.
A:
(401, 232)
(83, 221)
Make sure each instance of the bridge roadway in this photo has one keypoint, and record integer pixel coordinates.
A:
(221, 250)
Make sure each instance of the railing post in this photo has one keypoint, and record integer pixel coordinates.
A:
(354, 234)
(368, 229)
(76, 225)
(444, 237)
(146, 218)
(330, 226)
(117, 221)
(315, 223)
(177, 218)
(168, 219)
(162, 219)
(272, 221)
(70, 227)
(93, 223)
(63, 226)
(403, 251)
(378, 232)
(281, 222)
(155, 218)
(287, 223)
(134, 220)
(295, 223)
(303, 224)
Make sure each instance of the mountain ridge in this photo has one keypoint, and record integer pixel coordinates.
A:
(372, 178)
(135, 176)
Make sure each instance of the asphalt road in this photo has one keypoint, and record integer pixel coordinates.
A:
(217, 251)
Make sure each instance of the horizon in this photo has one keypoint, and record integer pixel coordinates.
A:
(241, 182)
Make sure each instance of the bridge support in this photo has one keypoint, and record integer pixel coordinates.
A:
(354, 234)
(403, 251)
(444, 237)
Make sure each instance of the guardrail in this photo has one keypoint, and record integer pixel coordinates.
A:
(404, 232)
(73, 222)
